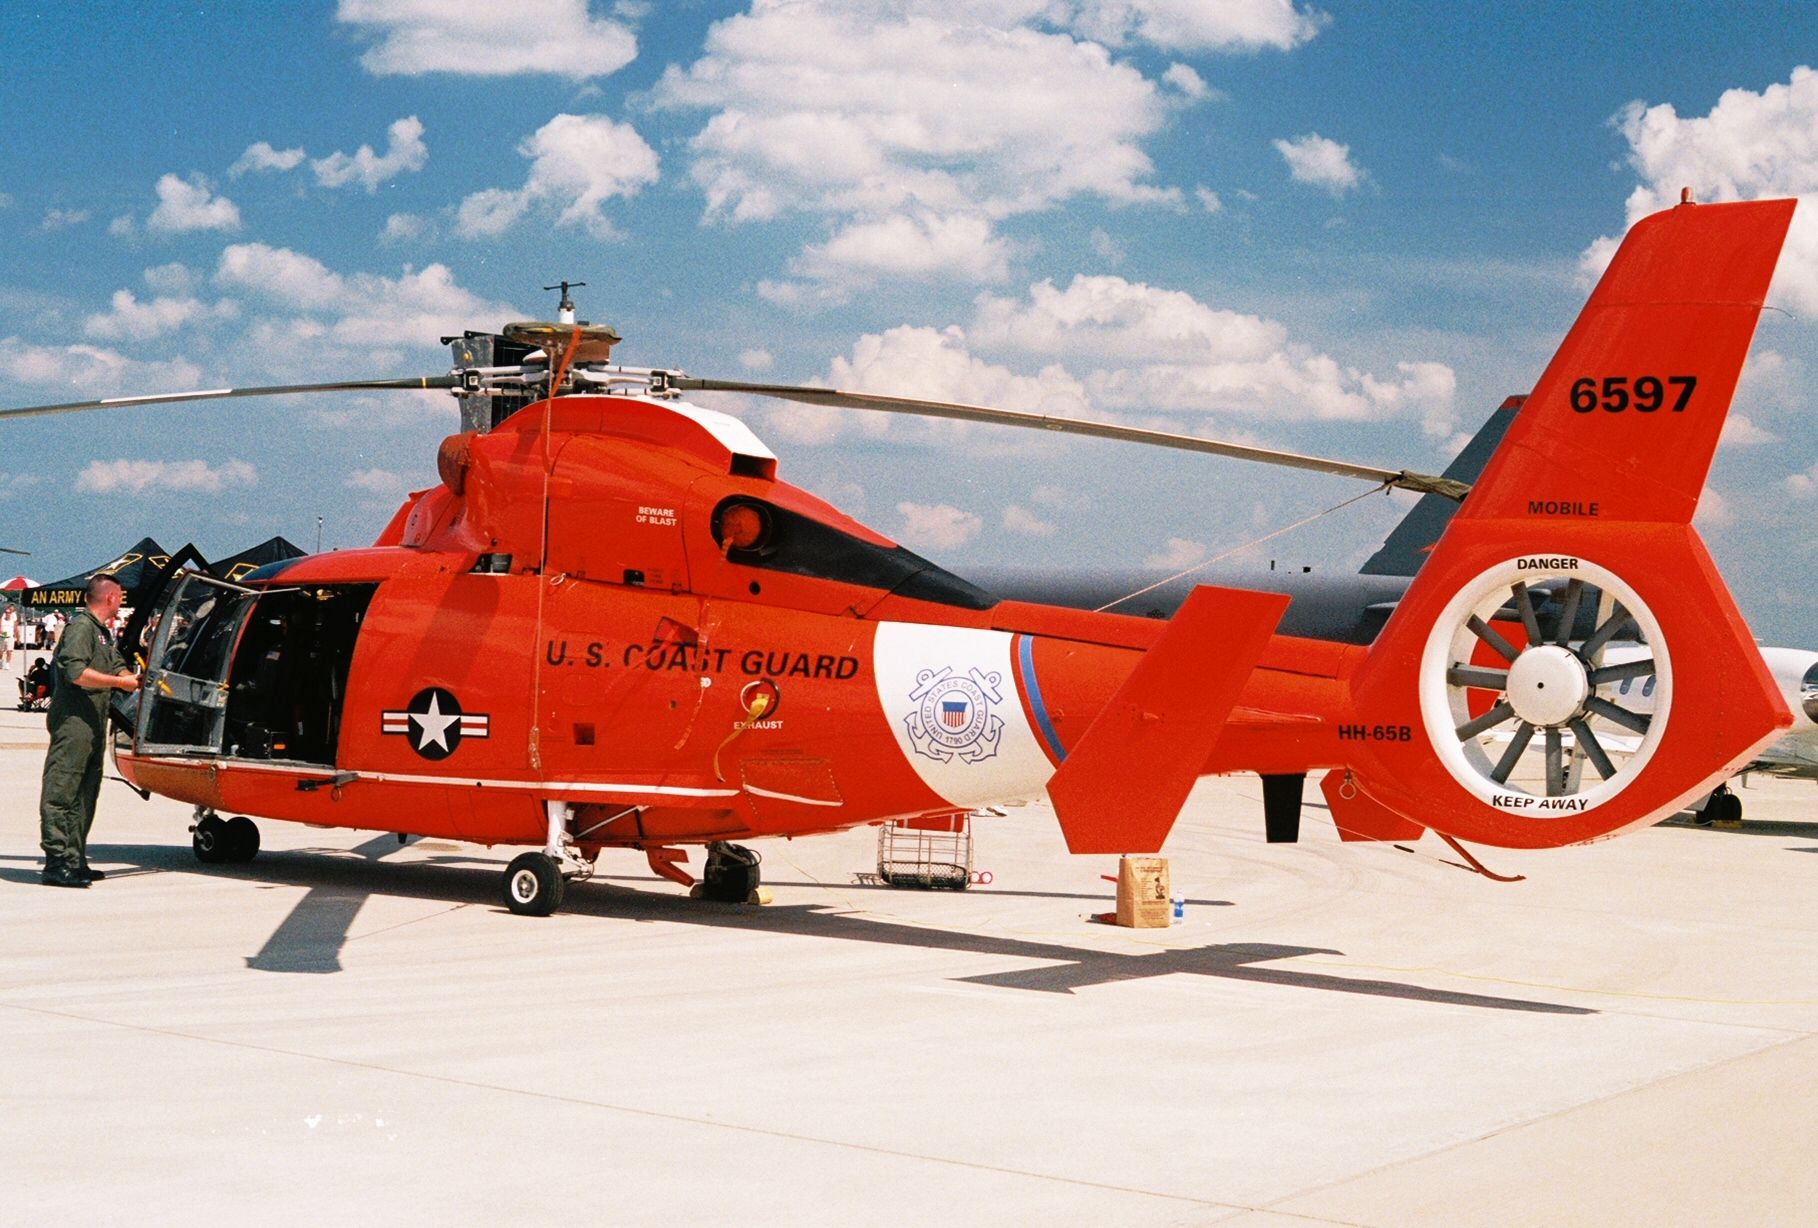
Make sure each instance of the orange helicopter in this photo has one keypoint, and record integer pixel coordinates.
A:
(611, 625)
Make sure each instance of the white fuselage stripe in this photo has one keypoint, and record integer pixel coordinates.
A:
(789, 797)
(313, 771)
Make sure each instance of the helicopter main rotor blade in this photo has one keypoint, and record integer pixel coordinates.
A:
(218, 394)
(10, 550)
(1402, 478)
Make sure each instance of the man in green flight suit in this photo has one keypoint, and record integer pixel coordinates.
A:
(87, 670)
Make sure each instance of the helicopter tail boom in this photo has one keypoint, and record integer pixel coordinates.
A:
(1480, 711)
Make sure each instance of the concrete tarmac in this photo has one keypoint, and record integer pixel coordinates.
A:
(1334, 1034)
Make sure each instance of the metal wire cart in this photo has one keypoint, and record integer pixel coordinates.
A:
(927, 853)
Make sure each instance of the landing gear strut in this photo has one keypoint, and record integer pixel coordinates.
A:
(731, 876)
(535, 882)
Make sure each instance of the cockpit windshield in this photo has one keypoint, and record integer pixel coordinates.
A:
(1808, 692)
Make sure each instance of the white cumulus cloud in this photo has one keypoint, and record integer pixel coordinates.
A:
(305, 306)
(261, 156)
(91, 370)
(1199, 25)
(138, 476)
(1147, 349)
(63, 219)
(173, 278)
(927, 364)
(577, 164)
(483, 38)
(1751, 145)
(1179, 554)
(190, 204)
(891, 119)
(12, 485)
(1803, 485)
(380, 483)
(1320, 161)
(937, 526)
(1019, 519)
(128, 319)
(405, 152)
(1714, 511)
(921, 246)
(403, 227)
(1183, 78)
(1741, 431)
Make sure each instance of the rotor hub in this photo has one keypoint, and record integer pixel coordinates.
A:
(1548, 686)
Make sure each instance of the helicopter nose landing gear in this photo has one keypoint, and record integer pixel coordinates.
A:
(731, 876)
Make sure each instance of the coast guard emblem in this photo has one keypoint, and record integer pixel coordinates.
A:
(953, 719)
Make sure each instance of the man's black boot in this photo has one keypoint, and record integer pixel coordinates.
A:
(63, 878)
(93, 875)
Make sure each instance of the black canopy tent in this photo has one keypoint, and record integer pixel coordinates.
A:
(239, 566)
(142, 570)
(233, 567)
(135, 569)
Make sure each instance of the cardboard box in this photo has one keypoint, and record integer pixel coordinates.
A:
(1143, 893)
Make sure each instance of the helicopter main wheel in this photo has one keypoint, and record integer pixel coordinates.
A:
(533, 885)
(210, 840)
(242, 837)
(1487, 701)
(731, 875)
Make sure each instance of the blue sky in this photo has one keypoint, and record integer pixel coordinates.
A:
(1350, 229)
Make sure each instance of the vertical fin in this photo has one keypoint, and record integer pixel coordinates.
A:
(1626, 416)
(1594, 484)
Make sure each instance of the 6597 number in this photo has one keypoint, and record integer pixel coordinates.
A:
(1644, 394)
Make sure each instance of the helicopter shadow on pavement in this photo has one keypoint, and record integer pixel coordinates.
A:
(311, 937)
(312, 934)
(1750, 827)
(1089, 897)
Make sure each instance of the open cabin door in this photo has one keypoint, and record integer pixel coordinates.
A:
(183, 704)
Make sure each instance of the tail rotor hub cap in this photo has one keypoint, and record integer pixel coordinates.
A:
(1548, 686)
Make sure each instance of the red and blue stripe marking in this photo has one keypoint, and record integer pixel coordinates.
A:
(1031, 690)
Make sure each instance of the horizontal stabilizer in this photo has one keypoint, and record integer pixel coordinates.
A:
(1123, 785)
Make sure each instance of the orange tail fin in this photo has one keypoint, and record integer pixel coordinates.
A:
(1590, 500)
